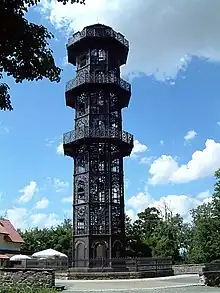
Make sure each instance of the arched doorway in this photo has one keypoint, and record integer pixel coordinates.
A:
(117, 248)
(100, 253)
(80, 254)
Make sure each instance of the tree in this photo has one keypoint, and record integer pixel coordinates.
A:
(147, 222)
(24, 51)
(202, 249)
(58, 238)
(166, 239)
(135, 246)
(206, 232)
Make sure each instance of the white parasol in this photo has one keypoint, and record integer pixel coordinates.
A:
(19, 257)
(49, 253)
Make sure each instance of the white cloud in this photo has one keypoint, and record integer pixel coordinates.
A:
(131, 214)
(18, 217)
(147, 160)
(23, 218)
(42, 204)
(138, 148)
(67, 199)
(180, 204)
(60, 149)
(204, 195)
(28, 192)
(203, 163)
(191, 134)
(218, 123)
(162, 36)
(162, 169)
(139, 202)
(60, 185)
(161, 142)
(45, 220)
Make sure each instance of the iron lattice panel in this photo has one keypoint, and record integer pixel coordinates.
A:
(101, 33)
(84, 132)
(97, 78)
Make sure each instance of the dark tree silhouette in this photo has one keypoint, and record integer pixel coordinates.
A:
(24, 51)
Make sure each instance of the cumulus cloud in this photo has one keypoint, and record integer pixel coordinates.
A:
(18, 217)
(23, 218)
(163, 35)
(138, 148)
(203, 163)
(180, 204)
(28, 192)
(191, 134)
(60, 149)
(147, 160)
(45, 220)
(42, 204)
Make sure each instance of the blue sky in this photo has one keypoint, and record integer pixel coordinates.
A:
(173, 114)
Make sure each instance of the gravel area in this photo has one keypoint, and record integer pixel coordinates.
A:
(176, 284)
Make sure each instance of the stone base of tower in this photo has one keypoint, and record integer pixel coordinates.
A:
(108, 275)
(97, 265)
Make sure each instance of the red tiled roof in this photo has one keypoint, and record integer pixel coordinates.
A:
(12, 233)
(2, 230)
(4, 256)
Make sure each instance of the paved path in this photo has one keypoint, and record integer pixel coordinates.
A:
(175, 284)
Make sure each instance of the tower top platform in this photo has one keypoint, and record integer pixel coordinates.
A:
(94, 36)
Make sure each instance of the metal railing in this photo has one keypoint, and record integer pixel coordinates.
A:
(130, 264)
(104, 32)
(100, 264)
(103, 78)
(84, 132)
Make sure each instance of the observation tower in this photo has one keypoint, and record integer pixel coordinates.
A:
(98, 144)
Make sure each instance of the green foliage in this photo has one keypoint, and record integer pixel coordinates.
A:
(154, 233)
(58, 238)
(206, 228)
(24, 50)
(206, 236)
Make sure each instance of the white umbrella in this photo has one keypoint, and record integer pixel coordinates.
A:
(19, 257)
(49, 253)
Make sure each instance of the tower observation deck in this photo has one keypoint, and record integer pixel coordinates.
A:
(98, 143)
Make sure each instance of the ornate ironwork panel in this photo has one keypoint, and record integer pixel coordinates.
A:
(104, 32)
(99, 219)
(81, 220)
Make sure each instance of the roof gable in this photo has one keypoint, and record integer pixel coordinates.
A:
(11, 231)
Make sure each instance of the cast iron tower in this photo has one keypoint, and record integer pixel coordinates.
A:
(98, 143)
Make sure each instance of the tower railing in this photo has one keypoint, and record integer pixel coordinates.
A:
(96, 78)
(84, 132)
(94, 32)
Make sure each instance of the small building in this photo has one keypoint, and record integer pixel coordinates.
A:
(10, 240)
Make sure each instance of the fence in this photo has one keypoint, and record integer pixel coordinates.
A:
(57, 264)
(100, 264)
